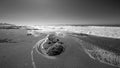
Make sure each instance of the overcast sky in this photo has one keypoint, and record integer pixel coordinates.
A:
(37, 12)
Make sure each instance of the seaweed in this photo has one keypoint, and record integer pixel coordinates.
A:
(5, 40)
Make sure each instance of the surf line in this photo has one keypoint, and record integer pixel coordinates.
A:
(101, 55)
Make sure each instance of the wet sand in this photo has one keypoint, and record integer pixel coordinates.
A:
(18, 55)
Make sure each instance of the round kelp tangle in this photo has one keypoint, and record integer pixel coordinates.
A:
(56, 49)
(53, 38)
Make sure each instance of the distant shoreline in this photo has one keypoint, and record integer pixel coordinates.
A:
(104, 25)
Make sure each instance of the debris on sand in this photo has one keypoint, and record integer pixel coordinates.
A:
(7, 41)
